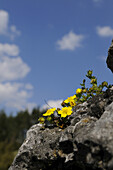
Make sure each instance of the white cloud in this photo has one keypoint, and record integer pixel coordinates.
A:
(5, 29)
(105, 31)
(4, 17)
(52, 103)
(9, 49)
(70, 41)
(13, 95)
(12, 69)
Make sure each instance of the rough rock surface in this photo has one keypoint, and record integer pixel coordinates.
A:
(109, 60)
(86, 144)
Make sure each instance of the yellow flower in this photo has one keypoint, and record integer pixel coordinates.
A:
(78, 91)
(66, 111)
(70, 99)
(49, 112)
(72, 103)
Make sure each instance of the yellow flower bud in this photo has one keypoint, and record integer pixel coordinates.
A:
(84, 91)
(93, 81)
(78, 91)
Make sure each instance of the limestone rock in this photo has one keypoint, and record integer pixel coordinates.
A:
(86, 144)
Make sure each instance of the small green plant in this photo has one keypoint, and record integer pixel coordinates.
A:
(60, 117)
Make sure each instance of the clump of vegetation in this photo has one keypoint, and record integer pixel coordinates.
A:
(60, 117)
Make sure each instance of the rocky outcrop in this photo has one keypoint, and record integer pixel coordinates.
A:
(109, 60)
(86, 144)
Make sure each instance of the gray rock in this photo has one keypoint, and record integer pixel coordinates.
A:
(86, 144)
(109, 60)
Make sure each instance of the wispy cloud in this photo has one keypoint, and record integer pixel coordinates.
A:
(52, 103)
(102, 58)
(5, 29)
(105, 31)
(28, 86)
(97, 1)
(14, 32)
(70, 41)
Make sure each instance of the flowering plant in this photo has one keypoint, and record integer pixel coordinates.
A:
(60, 117)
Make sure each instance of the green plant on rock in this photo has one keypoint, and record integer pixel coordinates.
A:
(60, 117)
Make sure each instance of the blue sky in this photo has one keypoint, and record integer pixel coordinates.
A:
(46, 48)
